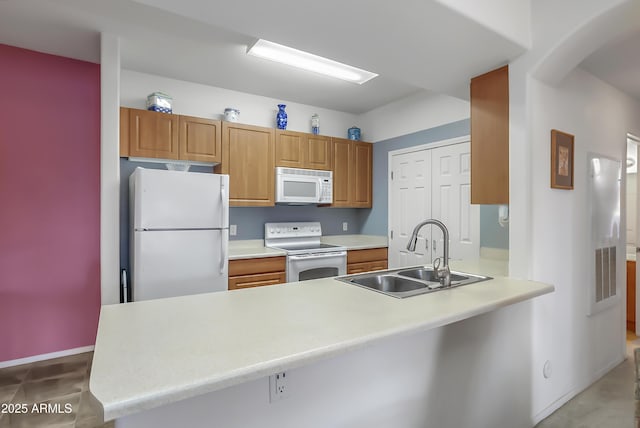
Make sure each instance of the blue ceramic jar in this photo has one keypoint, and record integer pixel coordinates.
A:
(354, 133)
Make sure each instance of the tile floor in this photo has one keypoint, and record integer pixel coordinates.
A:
(62, 384)
(608, 403)
(65, 381)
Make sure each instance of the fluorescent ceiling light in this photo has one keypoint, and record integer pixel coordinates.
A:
(309, 62)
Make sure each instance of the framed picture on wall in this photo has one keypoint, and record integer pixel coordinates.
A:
(561, 160)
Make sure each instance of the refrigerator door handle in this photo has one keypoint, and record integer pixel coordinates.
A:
(224, 245)
(225, 203)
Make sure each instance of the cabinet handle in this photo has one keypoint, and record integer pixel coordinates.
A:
(434, 245)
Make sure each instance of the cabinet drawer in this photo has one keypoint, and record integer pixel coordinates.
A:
(366, 266)
(368, 255)
(256, 266)
(258, 280)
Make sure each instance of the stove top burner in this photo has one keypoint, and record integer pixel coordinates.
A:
(297, 238)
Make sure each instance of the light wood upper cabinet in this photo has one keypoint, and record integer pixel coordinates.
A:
(342, 157)
(124, 132)
(290, 148)
(319, 152)
(352, 173)
(200, 139)
(362, 174)
(490, 137)
(150, 134)
(248, 156)
(301, 150)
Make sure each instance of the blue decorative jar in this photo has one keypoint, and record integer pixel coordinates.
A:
(281, 117)
(354, 133)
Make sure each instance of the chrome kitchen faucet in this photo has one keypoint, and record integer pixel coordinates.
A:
(444, 273)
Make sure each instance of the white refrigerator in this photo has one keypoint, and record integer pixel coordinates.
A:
(179, 233)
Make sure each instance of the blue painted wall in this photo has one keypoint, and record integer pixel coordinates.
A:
(375, 221)
(491, 233)
(251, 220)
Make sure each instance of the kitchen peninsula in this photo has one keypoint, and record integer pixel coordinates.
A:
(186, 357)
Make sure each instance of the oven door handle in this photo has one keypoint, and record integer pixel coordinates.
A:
(320, 256)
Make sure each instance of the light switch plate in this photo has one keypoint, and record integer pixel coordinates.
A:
(233, 229)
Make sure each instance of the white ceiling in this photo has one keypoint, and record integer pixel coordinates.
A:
(414, 45)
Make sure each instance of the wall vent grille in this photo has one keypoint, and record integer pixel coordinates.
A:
(605, 264)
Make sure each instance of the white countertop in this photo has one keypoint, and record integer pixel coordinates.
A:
(152, 353)
(251, 249)
(254, 248)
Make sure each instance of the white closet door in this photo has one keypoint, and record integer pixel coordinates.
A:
(451, 202)
(409, 199)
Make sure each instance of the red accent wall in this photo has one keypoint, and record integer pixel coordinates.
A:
(49, 203)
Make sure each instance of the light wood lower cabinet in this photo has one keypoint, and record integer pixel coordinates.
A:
(359, 261)
(631, 295)
(247, 273)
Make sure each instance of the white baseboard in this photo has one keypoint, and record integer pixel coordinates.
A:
(572, 393)
(43, 357)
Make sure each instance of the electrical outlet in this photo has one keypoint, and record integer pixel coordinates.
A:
(278, 387)
(345, 226)
(233, 229)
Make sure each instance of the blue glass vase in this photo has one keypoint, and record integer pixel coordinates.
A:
(281, 117)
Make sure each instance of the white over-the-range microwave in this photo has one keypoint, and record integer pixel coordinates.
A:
(296, 186)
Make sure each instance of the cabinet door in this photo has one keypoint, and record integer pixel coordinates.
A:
(319, 152)
(342, 156)
(124, 132)
(152, 134)
(200, 139)
(631, 295)
(490, 137)
(290, 149)
(362, 175)
(249, 158)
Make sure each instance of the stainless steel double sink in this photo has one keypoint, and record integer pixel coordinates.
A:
(409, 281)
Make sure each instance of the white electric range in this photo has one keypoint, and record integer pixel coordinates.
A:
(307, 257)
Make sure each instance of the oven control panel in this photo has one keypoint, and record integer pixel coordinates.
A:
(292, 230)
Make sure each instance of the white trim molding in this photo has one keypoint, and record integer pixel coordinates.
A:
(42, 357)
